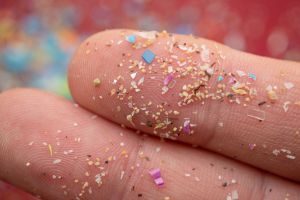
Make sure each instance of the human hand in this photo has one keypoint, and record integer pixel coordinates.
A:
(241, 110)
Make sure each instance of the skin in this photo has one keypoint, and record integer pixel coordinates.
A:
(30, 115)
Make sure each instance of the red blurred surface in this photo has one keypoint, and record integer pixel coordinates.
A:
(264, 27)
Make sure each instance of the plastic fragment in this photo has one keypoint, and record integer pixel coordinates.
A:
(256, 114)
(96, 82)
(286, 106)
(220, 78)
(159, 181)
(288, 85)
(148, 56)
(156, 175)
(272, 95)
(240, 73)
(131, 38)
(252, 76)
(168, 79)
(186, 127)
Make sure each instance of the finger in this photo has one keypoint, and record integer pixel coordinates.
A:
(8, 192)
(34, 120)
(237, 104)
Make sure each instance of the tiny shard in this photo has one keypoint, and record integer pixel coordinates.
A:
(56, 161)
(288, 85)
(122, 174)
(50, 149)
(133, 75)
(285, 106)
(157, 149)
(168, 79)
(96, 82)
(291, 157)
(252, 76)
(205, 54)
(240, 73)
(256, 114)
(234, 195)
(148, 56)
(98, 178)
(262, 103)
(156, 175)
(141, 81)
(252, 146)
(220, 78)
(276, 152)
(159, 181)
(272, 95)
(186, 127)
(210, 71)
(131, 39)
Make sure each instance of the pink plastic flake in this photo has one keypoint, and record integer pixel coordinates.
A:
(159, 181)
(155, 173)
(186, 127)
(168, 79)
(232, 80)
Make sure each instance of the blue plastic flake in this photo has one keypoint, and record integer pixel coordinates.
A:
(148, 56)
(131, 38)
(252, 76)
(220, 78)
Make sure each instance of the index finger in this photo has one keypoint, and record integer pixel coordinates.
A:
(196, 91)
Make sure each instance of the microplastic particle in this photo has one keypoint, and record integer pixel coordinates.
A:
(234, 195)
(50, 149)
(252, 146)
(56, 161)
(252, 76)
(288, 85)
(205, 54)
(220, 78)
(291, 157)
(148, 56)
(210, 71)
(256, 114)
(155, 173)
(131, 38)
(240, 73)
(96, 82)
(147, 34)
(141, 81)
(272, 95)
(168, 79)
(186, 127)
(286, 106)
(133, 75)
(159, 181)
(232, 80)
(122, 174)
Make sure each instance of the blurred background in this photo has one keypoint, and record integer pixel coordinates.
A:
(37, 38)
